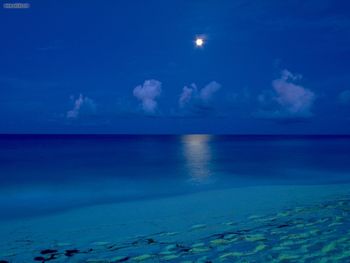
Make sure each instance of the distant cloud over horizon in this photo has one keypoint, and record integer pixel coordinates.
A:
(287, 100)
(187, 94)
(81, 103)
(148, 94)
(191, 95)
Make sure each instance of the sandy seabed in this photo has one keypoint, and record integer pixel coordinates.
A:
(251, 224)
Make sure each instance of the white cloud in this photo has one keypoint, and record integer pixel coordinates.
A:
(202, 96)
(208, 91)
(287, 99)
(148, 93)
(187, 94)
(81, 104)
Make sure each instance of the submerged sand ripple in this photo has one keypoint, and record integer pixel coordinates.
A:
(316, 233)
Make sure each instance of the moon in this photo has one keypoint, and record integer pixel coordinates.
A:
(199, 42)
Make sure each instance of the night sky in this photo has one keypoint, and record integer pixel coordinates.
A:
(266, 67)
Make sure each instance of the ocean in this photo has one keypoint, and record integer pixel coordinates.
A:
(106, 182)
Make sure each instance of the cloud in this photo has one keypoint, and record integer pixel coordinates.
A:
(209, 90)
(200, 97)
(287, 99)
(344, 97)
(147, 94)
(81, 104)
(187, 94)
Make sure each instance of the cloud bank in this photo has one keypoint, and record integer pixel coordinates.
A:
(287, 99)
(148, 94)
(81, 104)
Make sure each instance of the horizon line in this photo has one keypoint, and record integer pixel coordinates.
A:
(179, 134)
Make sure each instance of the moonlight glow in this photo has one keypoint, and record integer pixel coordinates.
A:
(199, 42)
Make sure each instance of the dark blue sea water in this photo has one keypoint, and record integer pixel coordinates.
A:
(47, 173)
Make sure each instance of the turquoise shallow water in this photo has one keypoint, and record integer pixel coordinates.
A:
(305, 224)
(318, 233)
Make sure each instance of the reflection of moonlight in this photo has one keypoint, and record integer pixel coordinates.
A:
(198, 156)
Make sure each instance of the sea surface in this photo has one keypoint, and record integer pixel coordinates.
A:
(183, 198)
(47, 173)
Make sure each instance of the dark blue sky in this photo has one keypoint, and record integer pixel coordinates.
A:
(132, 67)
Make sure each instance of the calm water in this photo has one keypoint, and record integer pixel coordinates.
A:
(43, 174)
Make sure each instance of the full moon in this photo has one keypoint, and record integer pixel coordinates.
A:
(199, 42)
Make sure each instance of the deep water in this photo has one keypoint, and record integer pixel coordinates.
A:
(42, 174)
